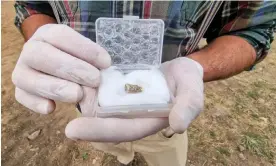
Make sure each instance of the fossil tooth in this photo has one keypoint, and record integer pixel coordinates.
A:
(130, 88)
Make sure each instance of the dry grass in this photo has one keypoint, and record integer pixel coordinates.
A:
(258, 145)
(240, 111)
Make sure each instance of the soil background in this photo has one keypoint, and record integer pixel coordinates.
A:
(237, 127)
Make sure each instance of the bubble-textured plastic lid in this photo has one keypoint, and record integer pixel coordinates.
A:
(132, 43)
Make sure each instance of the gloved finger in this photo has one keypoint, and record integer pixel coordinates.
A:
(46, 86)
(73, 43)
(164, 68)
(48, 59)
(189, 98)
(186, 108)
(33, 102)
(89, 102)
(188, 102)
(112, 129)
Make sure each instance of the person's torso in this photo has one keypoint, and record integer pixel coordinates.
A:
(182, 18)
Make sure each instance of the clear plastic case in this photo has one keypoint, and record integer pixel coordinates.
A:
(133, 44)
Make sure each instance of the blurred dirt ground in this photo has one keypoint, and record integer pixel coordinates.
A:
(237, 127)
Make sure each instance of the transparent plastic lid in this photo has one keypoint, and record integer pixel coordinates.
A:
(131, 42)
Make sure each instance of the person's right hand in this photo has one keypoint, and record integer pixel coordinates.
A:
(53, 65)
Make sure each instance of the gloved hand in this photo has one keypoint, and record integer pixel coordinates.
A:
(185, 80)
(53, 65)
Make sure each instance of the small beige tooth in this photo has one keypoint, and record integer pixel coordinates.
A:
(130, 88)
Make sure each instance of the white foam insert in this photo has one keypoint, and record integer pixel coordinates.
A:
(112, 92)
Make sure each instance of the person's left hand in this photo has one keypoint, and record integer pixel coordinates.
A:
(184, 78)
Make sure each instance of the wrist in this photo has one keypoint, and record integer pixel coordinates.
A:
(198, 59)
(197, 64)
(188, 65)
(32, 23)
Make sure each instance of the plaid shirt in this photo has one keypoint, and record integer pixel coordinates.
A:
(253, 21)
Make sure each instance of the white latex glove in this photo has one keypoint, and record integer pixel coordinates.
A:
(184, 78)
(52, 66)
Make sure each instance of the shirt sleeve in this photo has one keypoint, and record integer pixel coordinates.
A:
(25, 9)
(253, 21)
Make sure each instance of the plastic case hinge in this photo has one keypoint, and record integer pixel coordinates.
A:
(130, 17)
